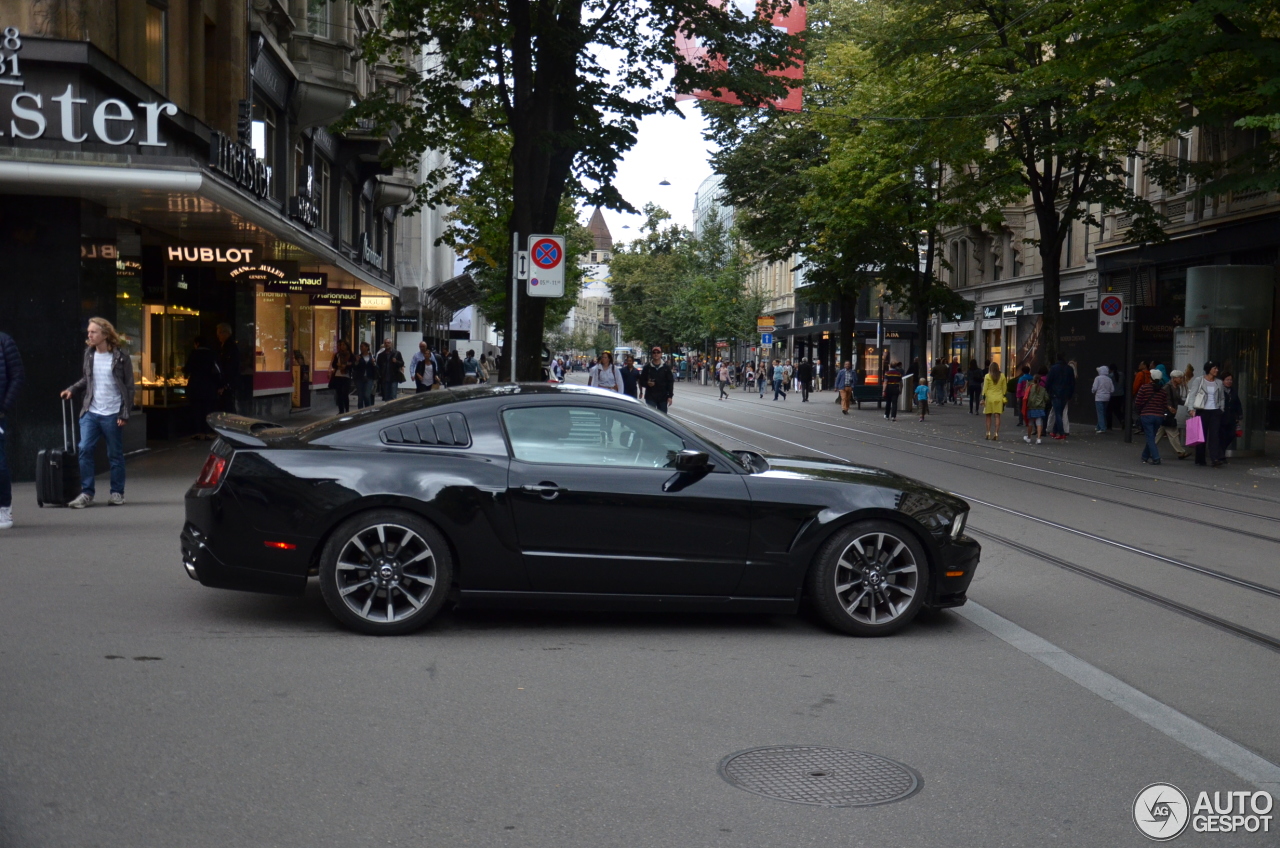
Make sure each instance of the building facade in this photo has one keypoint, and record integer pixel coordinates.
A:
(1237, 235)
(167, 165)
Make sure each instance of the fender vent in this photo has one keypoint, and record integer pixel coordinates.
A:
(447, 431)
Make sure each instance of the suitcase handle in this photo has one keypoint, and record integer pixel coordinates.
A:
(69, 446)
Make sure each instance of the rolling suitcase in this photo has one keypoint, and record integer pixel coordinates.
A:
(58, 469)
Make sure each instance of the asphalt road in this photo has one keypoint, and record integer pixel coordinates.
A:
(141, 709)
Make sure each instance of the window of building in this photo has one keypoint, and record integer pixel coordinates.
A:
(319, 17)
(326, 337)
(322, 192)
(299, 170)
(1131, 173)
(263, 135)
(156, 60)
(271, 345)
(344, 212)
(1184, 159)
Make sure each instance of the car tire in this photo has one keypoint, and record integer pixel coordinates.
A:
(386, 572)
(870, 579)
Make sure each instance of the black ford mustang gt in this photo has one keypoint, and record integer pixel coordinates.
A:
(561, 497)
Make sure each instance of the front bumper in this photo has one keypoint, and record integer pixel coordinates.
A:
(202, 564)
(955, 572)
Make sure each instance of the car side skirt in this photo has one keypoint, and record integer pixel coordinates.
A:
(486, 599)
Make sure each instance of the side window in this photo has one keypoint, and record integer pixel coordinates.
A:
(571, 435)
(448, 430)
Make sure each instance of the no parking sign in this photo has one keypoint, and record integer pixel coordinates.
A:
(546, 276)
(1111, 314)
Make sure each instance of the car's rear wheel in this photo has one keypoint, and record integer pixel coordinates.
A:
(870, 579)
(385, 573)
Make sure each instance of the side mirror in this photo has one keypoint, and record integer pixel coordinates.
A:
(689, 461)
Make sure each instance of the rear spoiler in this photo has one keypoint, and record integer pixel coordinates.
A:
(239, 430)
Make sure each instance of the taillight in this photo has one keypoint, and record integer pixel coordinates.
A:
(211, 474)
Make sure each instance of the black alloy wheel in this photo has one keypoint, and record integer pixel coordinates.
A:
(870, 579)
(385, 573)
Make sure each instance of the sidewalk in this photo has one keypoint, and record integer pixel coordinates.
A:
(952, 425)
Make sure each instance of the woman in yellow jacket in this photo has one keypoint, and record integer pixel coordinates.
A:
(995, 388)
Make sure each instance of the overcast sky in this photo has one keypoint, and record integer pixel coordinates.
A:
(667, 148)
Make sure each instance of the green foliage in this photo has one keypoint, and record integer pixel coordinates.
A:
(672, 289)
(519, 111)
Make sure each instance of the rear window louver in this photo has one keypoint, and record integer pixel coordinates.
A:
(448, 431)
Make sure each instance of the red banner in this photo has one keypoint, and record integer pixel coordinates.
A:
(793, 20)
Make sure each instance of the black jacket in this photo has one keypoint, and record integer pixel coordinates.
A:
(805, 373)
(664, 382)
(390, 366)
(229, 364)
(11, 373)
(1062, 381)
(630, 380)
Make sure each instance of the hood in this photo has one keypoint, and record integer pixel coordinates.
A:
(1104, 371)
(842, 471)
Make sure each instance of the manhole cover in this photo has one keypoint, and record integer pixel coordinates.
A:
(822, 777)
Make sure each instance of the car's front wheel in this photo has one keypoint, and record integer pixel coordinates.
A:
(870, 579)
(385, 572)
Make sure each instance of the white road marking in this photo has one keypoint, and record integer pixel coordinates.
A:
(1181, 728)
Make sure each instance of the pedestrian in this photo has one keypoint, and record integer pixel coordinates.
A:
(471, 369)
(656, 382)
(973, 380)
(922, 397)
(341, 367)
(390, 365)
(1232, 415)
(892, 390)
(749, 378)
(844, 386)
(940, 375)
(630, 376)
(454, 374)
(1205, 400)
(1020, 389)
(1061, 384)
(1142, 375)
(1115, 409)
(11, 379)
(995, 387)
(605, 375)
(1036, 405)
(424, 370)
(954, 379)
(1151, 403)
(202, 386)
(804, 376)
(764, 377)
(107, 381)
(366, 376)
(1102, 389)
(779, 380)
(228, 368)
(1175, 417)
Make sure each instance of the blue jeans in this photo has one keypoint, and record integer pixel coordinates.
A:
(940, 392)
(1101, 407)
(92, 428)
(777, 389)
(6, 485)
(364, 393)
(1150, 426)
(1059, 404)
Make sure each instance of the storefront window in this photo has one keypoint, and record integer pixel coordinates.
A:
(326, 337)
(170, 333)
(129, 321)
(993, 345)
(271, 346)
(300, 329)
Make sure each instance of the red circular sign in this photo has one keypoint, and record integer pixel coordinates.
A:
(545, 253)
(1111, 305)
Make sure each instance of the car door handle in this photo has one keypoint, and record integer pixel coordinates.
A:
(548, 491)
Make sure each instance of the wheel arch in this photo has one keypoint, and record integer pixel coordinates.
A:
(374, 503)
(810, 546)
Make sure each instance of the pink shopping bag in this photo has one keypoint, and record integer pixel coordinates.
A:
(1195, 430)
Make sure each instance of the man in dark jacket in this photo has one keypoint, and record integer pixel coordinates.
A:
(202, 385)
(228, 369)
(804, 373)
(630, 377)
(390, 366)
(1062, 387)
(11, 377)
(657, 382)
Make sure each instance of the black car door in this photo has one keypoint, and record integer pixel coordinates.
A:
(586, 484)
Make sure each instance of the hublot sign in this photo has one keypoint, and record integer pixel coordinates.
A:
(240, 164)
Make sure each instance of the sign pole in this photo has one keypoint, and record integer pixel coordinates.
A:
(515, 289)
(1128, 405)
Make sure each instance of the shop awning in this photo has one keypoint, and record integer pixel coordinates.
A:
(455, 293)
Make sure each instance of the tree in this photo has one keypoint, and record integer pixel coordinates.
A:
(531, 75)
